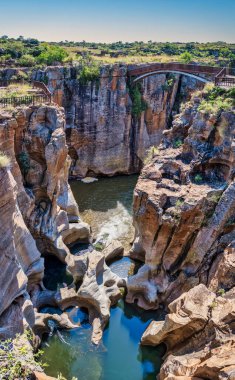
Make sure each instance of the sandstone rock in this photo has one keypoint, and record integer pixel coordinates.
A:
(184, 213)
(98, 291)
(41, 322)
(103, 135)
(113, 250)
(77, 232)
(199, 334)
(42, 376)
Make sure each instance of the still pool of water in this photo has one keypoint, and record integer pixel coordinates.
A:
(107, 206)
(118, 357)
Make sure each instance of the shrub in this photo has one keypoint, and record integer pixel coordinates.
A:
(24, 162)
(168, 85)
(4, 161)
(150, 153)
(61, 377)
(186, 57)
(27, 60)
(14, 354)
(198, 178)
(138, 104)
(89, 73)
(217, 99)
(177, 143)
(51, 55)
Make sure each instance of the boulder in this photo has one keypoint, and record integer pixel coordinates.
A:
(199, 335)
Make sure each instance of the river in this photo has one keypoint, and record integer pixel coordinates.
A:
(107, 206)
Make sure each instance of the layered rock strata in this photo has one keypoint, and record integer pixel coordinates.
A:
(39, 217)
(184, 210)
(199, 335)
(109, 126)
(185, 234)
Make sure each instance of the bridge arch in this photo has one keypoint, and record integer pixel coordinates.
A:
(199, 78)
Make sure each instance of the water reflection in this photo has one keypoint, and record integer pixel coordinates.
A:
(106, 205)
(118, 357)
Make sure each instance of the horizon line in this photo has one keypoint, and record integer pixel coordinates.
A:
(116, 41)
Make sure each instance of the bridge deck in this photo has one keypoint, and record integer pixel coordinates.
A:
(217, 74)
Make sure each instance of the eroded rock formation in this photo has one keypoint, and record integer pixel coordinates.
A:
(39, 217)
(199, 335)
(184, 210)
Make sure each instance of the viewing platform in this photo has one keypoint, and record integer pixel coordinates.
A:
(17, 93)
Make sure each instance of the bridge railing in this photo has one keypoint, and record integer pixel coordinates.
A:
(225, 81)
(24, 100)
(175, 66)
(44, 97)
(43, 87)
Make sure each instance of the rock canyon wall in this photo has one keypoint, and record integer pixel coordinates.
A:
(184, 215)
(184, 209)
(39, 217)
(184, 219)
(36, 208)
(108, 126)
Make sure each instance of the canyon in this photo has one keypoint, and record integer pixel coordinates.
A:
(183, 213)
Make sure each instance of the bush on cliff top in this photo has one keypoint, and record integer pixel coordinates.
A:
(51, 55)
(90, 71)
(217, 99)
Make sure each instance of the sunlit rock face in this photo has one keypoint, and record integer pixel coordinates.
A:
(39, 217)
(40, 164)
(36, 205)
(199, 335)
(184, 210)
(104, 133)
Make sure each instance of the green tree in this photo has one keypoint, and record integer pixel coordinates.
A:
(186, 57)
(51, 55)
(27, 60)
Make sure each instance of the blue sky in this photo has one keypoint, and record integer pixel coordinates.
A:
(120, 20)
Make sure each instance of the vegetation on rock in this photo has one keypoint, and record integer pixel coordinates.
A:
(89, 72)
(17, 361)
(138, 104)
(4, 161)
(216, 99)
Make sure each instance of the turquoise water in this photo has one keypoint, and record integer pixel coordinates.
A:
(107, 206)
(118, 357)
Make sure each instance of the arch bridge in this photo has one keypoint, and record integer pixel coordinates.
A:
(220, 76)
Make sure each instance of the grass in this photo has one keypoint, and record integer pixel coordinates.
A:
(179, 203)
(150, 153)
(216, 99)
(177, 143)
(132, 59)
(15, 90)
(16, 358)
(198, 178)
(221, 292)
(4, 161)
(98, 246)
